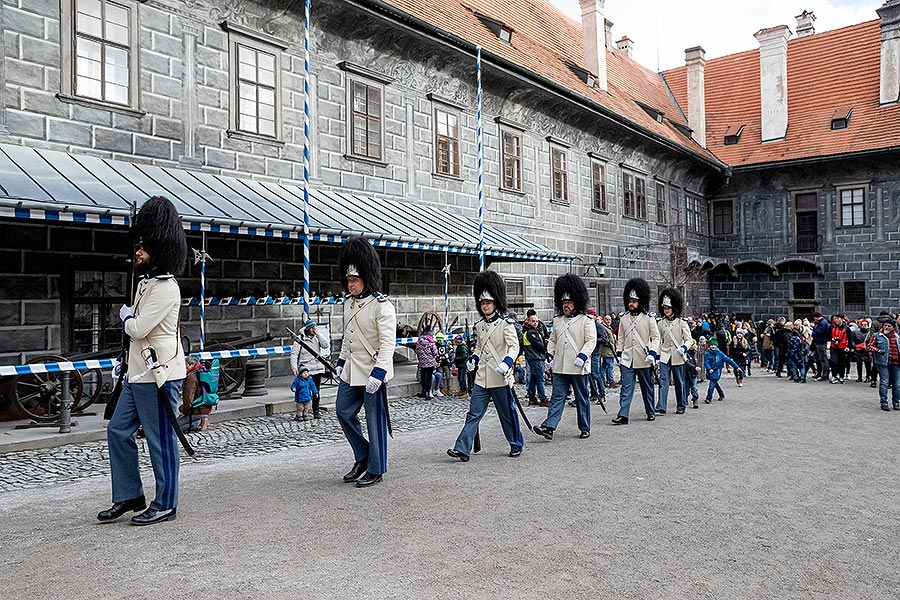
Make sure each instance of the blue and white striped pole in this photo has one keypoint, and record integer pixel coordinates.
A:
(202, 291)
(306, 165)
(480, 136)
(446, 271)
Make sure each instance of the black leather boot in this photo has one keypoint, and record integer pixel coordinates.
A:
(120, 508)
(357, 471)
(368, 479)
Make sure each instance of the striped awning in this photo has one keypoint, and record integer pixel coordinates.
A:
(58, 186)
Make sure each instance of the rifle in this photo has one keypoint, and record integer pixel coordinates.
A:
(325, 363)
(126, 341)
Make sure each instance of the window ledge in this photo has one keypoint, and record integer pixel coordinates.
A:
(846, 227)
(253, 137)
(559, 202)
(634, 218)
(448, 177)
(366, 159)
(507, 190)
(600, 211)
(102, 105)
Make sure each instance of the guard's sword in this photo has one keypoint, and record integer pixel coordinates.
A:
(331, 368)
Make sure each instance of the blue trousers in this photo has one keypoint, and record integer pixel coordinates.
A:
(597, 374)
(140, 405)
(561, 385)
(506, 410)
(626, 392)
(671, 374)
(462, 376)
(889, 377)
(714, 385)
(690, 384)
(535, 387)
(350, 399)
(606, 369)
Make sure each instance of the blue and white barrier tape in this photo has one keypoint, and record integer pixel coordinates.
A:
(107, 363)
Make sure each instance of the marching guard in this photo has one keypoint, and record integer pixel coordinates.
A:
(153, 371)
(637, 349)
(571, 342)
(366, 361)
(496, 349)
(675, 340)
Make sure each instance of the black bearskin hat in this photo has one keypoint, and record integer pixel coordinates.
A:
(359, 256)
(491, 283)
(157, 229)
(642, 289)
(675, 298)
(570, 285)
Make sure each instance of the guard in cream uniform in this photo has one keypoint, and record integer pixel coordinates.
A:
(675, 339)
(571, 342)
(151, 321)
(366, 361)
(637, 349)
(496, 349)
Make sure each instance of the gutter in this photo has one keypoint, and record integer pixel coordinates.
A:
(463, 45)
(813, 159)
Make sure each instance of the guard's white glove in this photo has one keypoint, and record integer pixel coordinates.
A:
(125, 312)
(338, 371)
(502, 368)
(682, 350)
(117, 369)
(470, 365)
(579, 363)
(651, 360)
(373, 384)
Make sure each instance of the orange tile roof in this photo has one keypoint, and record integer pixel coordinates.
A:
(829, 73)
(543, 38)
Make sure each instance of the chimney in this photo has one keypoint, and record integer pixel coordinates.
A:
(773, 81)
(593, 31)
(890, 51)
(609, 42)
(625, 45)
(695, 61)
(805, 25)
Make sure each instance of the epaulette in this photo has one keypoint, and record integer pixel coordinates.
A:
(381, 297)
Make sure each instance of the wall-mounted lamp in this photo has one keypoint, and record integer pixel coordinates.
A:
(599, 267)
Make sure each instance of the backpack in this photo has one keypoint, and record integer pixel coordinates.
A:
(209, 386)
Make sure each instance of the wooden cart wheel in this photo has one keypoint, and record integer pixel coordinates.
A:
(231, 370)
(39, 395)
(430, 320)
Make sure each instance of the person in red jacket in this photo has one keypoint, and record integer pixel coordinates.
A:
(840, 349)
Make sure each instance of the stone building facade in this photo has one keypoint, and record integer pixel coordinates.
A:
(217, 87)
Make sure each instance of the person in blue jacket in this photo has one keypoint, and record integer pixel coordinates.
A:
(713, 363)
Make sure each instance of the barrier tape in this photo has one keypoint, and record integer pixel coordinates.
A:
(107, 363)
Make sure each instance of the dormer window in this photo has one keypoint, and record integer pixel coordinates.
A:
(839, 120)
(583, 74)
(731, 139)
(499, 28)
(656, 114)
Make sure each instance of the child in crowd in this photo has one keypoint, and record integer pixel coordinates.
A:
(304, 389)
(713, 363)
(702, 347)
(691, 372)
(798, 349)
(740, 353)
(520, 369)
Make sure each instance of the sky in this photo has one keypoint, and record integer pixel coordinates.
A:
(720, 26)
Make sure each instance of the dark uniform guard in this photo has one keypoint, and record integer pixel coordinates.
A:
(152, 325)
(366, 361)
(572, 340)
(675, 340)
(637, 349)
(496, 349)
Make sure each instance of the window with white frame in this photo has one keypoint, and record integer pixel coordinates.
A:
(511, 158)
(693, 215)
(101, 64)
(559, 174)
(446, 141)
(366, 119)
(255, 71)
(598, 185)
(853, 209)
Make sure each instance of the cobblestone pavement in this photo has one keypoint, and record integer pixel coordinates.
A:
(244, 437)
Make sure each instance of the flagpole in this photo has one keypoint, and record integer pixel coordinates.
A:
(306, 251)
(480, 135)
